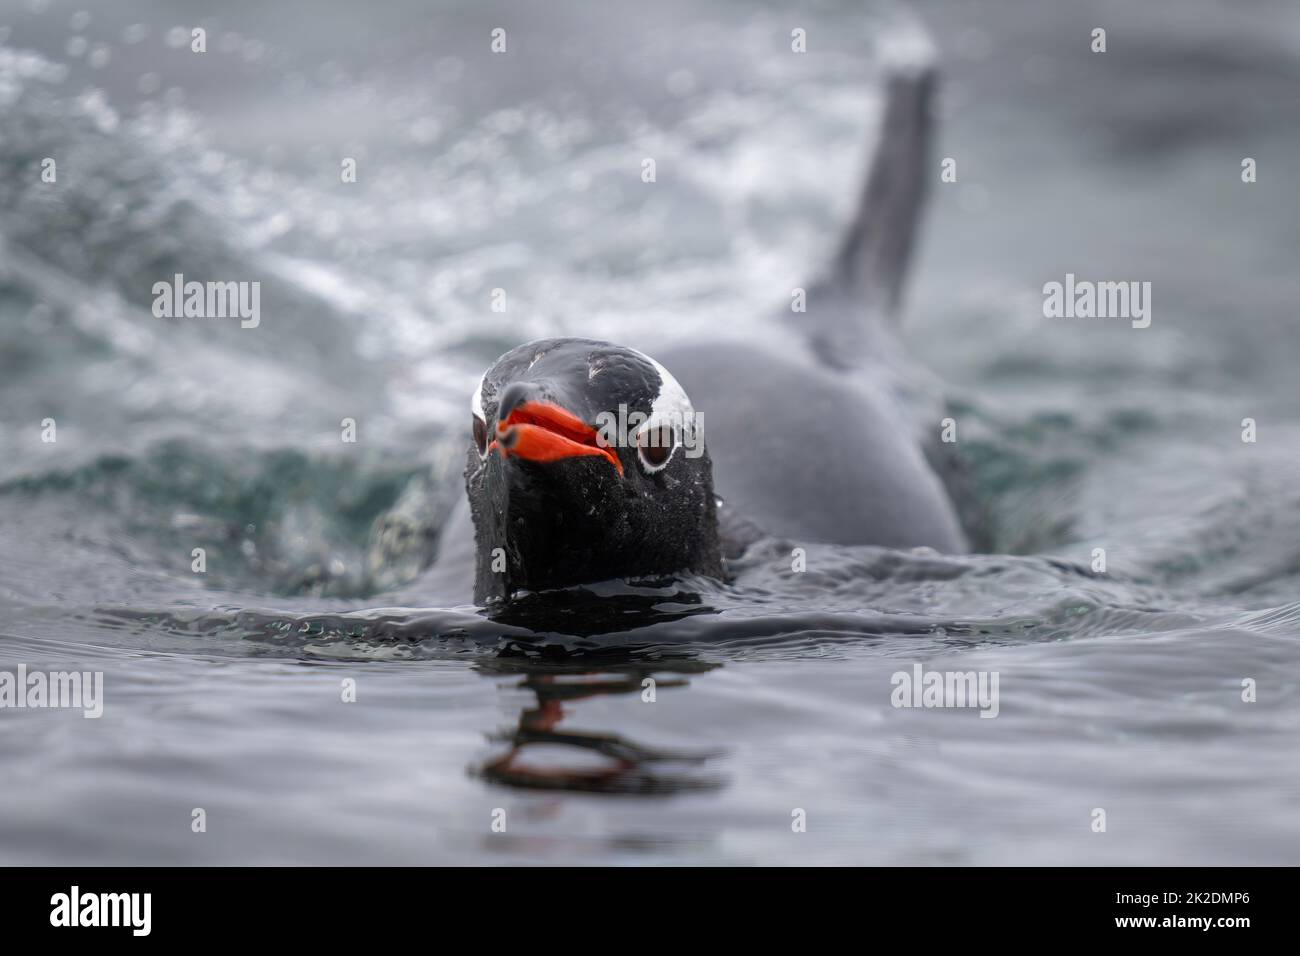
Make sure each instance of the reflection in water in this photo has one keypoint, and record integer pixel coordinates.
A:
(624, 767)
(610, 607)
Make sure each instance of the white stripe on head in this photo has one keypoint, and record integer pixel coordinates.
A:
(476, 403)
(672, 406)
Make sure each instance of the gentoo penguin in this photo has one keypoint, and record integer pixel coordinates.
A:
(591, 461)
(587, 463)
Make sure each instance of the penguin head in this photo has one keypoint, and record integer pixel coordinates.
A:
(586, 463)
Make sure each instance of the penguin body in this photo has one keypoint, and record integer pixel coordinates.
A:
(802, 439)
(811, 455)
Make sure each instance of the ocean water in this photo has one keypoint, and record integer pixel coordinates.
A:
(693, 722)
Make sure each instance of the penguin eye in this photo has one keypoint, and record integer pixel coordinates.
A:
(480, 436)
(654, 447)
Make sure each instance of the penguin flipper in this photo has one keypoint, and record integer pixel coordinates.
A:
(864, 284)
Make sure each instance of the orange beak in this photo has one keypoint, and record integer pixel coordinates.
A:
(542, 431)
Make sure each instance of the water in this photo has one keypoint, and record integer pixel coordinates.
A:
(223, 691)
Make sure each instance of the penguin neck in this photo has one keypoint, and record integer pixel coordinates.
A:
(697, 549)
(705, 551)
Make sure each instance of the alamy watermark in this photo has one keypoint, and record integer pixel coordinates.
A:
(75, 908)
(1084, 299)
(921, 688)
(626, 428)
(179, 299)
(22, 689)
